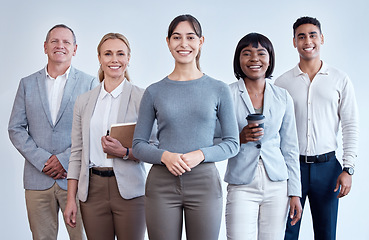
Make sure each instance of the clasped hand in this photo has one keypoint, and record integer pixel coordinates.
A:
(54, 169)
(178, 163)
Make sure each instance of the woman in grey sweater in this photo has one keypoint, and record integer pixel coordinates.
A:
(186, 105)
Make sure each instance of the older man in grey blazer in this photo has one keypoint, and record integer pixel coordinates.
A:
(40, 128)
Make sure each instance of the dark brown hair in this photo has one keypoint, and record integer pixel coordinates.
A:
(195, 25)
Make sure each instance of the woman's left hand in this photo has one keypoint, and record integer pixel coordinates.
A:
(192, 159)
(112, 146)
(295, 210)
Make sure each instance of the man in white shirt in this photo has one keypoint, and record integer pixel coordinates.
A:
(323, 97)
(40, 128)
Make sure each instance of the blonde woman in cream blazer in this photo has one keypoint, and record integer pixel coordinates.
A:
(130, 174)
(110, 190)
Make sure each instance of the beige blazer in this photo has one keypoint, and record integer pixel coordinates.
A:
(130, 174)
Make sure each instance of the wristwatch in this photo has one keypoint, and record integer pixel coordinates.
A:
(349, 170)
(127, 154)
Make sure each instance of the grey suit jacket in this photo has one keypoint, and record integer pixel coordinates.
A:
(31, 129)
(130, 174)
(278, 147)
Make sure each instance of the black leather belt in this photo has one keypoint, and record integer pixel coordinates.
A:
(107, 173)
(318, 158)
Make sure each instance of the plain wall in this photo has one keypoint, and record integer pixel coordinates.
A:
(24, 24)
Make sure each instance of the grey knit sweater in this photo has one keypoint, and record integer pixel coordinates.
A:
(187, 113)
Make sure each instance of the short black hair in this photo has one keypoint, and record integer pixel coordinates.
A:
(61, 26)
(253, 39)
(306, 20)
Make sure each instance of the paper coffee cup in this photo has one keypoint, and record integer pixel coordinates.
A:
(256, 118)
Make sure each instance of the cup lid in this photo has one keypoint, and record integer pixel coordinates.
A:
(255, 116)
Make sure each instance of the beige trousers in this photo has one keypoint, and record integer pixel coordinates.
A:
(43, 210)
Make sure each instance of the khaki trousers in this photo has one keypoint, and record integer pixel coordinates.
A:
(43, 209)
(106, 214)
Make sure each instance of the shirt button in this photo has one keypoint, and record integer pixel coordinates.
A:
(258, 146)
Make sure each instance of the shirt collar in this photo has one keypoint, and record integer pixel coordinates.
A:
(323, 70)
(66, 74)
(115, 93)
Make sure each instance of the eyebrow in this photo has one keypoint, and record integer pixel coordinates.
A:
(259, 50)
(303, 34)
(58, 39)
(190, 33)
(109, 50)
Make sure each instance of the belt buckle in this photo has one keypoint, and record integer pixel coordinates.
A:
(306, 160)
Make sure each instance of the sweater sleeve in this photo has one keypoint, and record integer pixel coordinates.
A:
(142, 149)
(229, 146)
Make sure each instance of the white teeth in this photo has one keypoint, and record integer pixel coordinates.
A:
(255, 67)
(114, 67)
(183, 52)
(308, 49)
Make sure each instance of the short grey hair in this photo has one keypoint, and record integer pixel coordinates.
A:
(61, 26)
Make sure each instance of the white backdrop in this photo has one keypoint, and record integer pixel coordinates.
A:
(24, 24)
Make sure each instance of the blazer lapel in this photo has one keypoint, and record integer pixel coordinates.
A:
(268, 98)
(41, 81)
(245, 96)
(68, 93)
(126, 94)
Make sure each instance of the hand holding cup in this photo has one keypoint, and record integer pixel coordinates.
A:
(254, 130)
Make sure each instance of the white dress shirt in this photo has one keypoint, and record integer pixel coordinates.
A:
(55, 90)
(320, 105)
(105, 114)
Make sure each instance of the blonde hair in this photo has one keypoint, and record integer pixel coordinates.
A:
(104, 39)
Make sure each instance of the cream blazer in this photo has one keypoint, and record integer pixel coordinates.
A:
(130, 174)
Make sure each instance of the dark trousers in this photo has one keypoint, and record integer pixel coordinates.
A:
(196, 196)
(318, 182)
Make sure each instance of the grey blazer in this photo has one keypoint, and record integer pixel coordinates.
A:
(278, 147)
(130, 174)
(31, 129)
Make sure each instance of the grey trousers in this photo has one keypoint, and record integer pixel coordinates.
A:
(197, 194)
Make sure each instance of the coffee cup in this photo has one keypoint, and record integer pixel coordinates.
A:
(256, 118)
